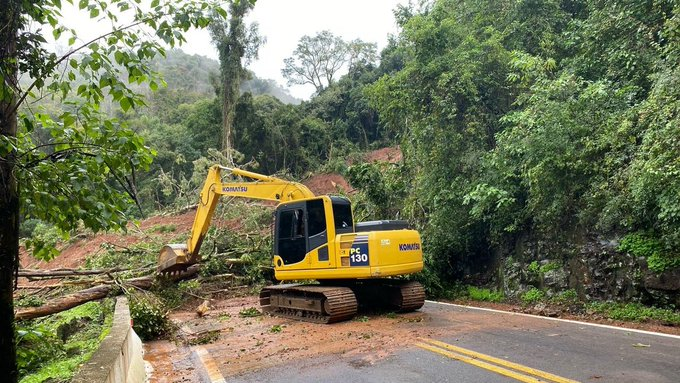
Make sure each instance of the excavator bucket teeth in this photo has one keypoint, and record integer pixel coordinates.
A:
(174, 257)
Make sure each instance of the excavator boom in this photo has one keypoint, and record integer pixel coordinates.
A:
(177, 257)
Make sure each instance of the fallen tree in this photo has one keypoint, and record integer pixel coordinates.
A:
(60, 273)
(66, 302)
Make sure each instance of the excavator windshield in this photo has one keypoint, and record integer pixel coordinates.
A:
(342, 215)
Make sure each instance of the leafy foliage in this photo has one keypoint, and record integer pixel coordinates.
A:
(318, 59)
(53, 348)
(382, 190)
(532, 296)
(249, 312)
(636, 312)
(149, 315)
(645, 245)
(487, 295)
(536, 119)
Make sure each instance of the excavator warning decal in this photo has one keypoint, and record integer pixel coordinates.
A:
(358, 253)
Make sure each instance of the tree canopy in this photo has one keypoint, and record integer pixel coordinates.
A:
(75, 164)
(318, 59)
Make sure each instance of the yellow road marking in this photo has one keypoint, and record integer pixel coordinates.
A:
(478, 363)
(209, 365)
(471, 357)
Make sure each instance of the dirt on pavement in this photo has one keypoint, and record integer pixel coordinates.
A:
(247, 344)
(240, 345)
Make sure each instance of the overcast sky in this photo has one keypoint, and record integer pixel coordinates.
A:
(283, 23)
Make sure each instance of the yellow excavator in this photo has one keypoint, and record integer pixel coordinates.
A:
(315, 238)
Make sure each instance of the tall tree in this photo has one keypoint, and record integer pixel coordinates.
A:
(318, 59)
(234, 41)
(9, 191)
(84, 171)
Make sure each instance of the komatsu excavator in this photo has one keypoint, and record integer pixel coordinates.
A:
(315, 238)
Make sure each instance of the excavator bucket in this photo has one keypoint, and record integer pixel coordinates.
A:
(174, 257)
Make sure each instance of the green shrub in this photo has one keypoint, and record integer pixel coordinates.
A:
(660, 262)
(533, 267)
(149, 315)
(565, 297)
(28, 301)
(134, 256)
(532, 296)
(550, 266)
(36, 345)
(644, 244)
(486, 295)
(43, 241)
(635, 312)
(52, 348)
(27, 226)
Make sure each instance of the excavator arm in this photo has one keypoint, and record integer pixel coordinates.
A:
(177, 257)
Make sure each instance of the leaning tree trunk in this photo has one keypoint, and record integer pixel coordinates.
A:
(9, 189)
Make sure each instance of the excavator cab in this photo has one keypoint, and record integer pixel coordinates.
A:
(303, 226)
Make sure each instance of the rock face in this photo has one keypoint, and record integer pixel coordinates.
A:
(593, 267)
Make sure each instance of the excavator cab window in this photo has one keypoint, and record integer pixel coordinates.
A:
(291, 239)
(316, 217)
(342, 215)
(316, 224)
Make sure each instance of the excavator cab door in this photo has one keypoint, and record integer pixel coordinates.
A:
(290, 241)
(300, 228)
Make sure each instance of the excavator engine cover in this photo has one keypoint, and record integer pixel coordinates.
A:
(173, 257)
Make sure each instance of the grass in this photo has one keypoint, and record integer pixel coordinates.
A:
(635, 312)
(533, 296)
(52, 349)
(486, 295)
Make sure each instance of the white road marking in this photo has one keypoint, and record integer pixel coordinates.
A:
(560, 320)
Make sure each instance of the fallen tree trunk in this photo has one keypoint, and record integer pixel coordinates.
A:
(60, 273)
(54, 306)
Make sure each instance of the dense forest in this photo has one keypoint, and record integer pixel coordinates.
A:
(541, 131)
(540, 141)
(540, 138)
(534, 133)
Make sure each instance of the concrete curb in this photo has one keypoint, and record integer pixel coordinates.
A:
(119, 358)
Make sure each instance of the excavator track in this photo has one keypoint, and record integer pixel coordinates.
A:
(409, 296)
(386, 294)
(310, 303)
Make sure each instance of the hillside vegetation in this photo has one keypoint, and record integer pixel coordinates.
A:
(539, 142)
(534, 144)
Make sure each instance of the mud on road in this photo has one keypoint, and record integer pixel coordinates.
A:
(240, 344)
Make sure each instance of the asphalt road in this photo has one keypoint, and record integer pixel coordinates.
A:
(485, 346)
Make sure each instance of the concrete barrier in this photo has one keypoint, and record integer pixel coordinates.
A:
(119, 357)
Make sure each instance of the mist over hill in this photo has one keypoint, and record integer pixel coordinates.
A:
(197, 74)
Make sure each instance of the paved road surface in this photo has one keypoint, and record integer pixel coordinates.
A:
(485, 346)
